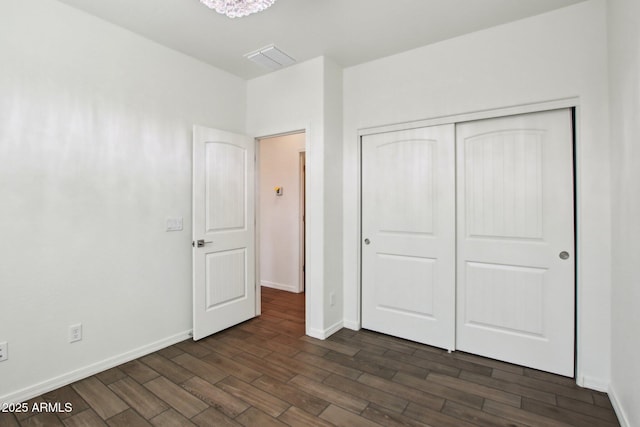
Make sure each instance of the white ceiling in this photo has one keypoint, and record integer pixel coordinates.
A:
(348, 31)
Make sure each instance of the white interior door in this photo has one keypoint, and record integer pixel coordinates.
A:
(224, 291)
(515, 237)
(408, 234)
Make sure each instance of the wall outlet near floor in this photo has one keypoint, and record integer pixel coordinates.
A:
(332, 299)
(4, 351)
(75, 332)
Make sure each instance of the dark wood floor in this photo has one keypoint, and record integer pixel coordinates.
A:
(266, 372)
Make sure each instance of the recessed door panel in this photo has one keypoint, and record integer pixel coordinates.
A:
(400, 186)
(225, 186)
(503, 183)
(225, 277)
(405, 285)
(505, 298)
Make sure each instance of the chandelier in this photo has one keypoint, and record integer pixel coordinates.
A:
(237, 8)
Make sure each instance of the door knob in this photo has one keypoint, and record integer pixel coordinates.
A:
(564, 255)
(200, 243)
(367, 241)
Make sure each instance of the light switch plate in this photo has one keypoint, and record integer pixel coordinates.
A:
(174, 224)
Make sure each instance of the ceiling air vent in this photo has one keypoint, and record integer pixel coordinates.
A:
(270, 57)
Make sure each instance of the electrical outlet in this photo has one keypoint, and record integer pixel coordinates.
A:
(332, 299)
(75, 332)
(4, 351)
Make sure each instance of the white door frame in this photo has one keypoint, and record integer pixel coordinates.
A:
(256, 212)
(574, 103)
(302, 174)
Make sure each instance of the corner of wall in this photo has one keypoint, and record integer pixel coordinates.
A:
(623, 31)
(618, 408)
(333, 163)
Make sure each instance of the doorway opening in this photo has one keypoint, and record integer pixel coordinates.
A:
(280, 217)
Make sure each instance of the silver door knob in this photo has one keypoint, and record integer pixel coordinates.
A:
(564, 255)
(367, 241)
(200, 243)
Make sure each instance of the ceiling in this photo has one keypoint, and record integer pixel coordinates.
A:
(348, 31)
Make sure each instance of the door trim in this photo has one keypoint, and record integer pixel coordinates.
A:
(302, 211)
(573, 102)
(557, 104)
(256, 223)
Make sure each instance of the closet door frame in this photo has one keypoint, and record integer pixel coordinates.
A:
(572, 103)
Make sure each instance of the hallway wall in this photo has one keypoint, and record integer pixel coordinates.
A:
(280, 215)
(308, 96)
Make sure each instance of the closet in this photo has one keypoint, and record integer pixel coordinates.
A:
(468, 237)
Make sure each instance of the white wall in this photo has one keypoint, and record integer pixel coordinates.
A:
(297, 98)
(95, 149)
(333, 185)
(280, 216)
(285, 101)
(624, 78)
(557, 55)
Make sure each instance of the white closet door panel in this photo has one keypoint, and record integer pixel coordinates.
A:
(515, 294)
(408, 220)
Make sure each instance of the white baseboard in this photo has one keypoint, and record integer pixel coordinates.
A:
(620, 413)
(323, 334)
(316, 333)
(333, 329)
(89, 370)
(593, 384)
(354, 325)
(282, 287)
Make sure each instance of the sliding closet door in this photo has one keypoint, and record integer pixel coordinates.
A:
(515, 240)
(408, 234)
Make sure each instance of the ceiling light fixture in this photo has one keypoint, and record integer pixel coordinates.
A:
(237, 8)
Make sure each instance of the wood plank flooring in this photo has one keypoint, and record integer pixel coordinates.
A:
(266, 372)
